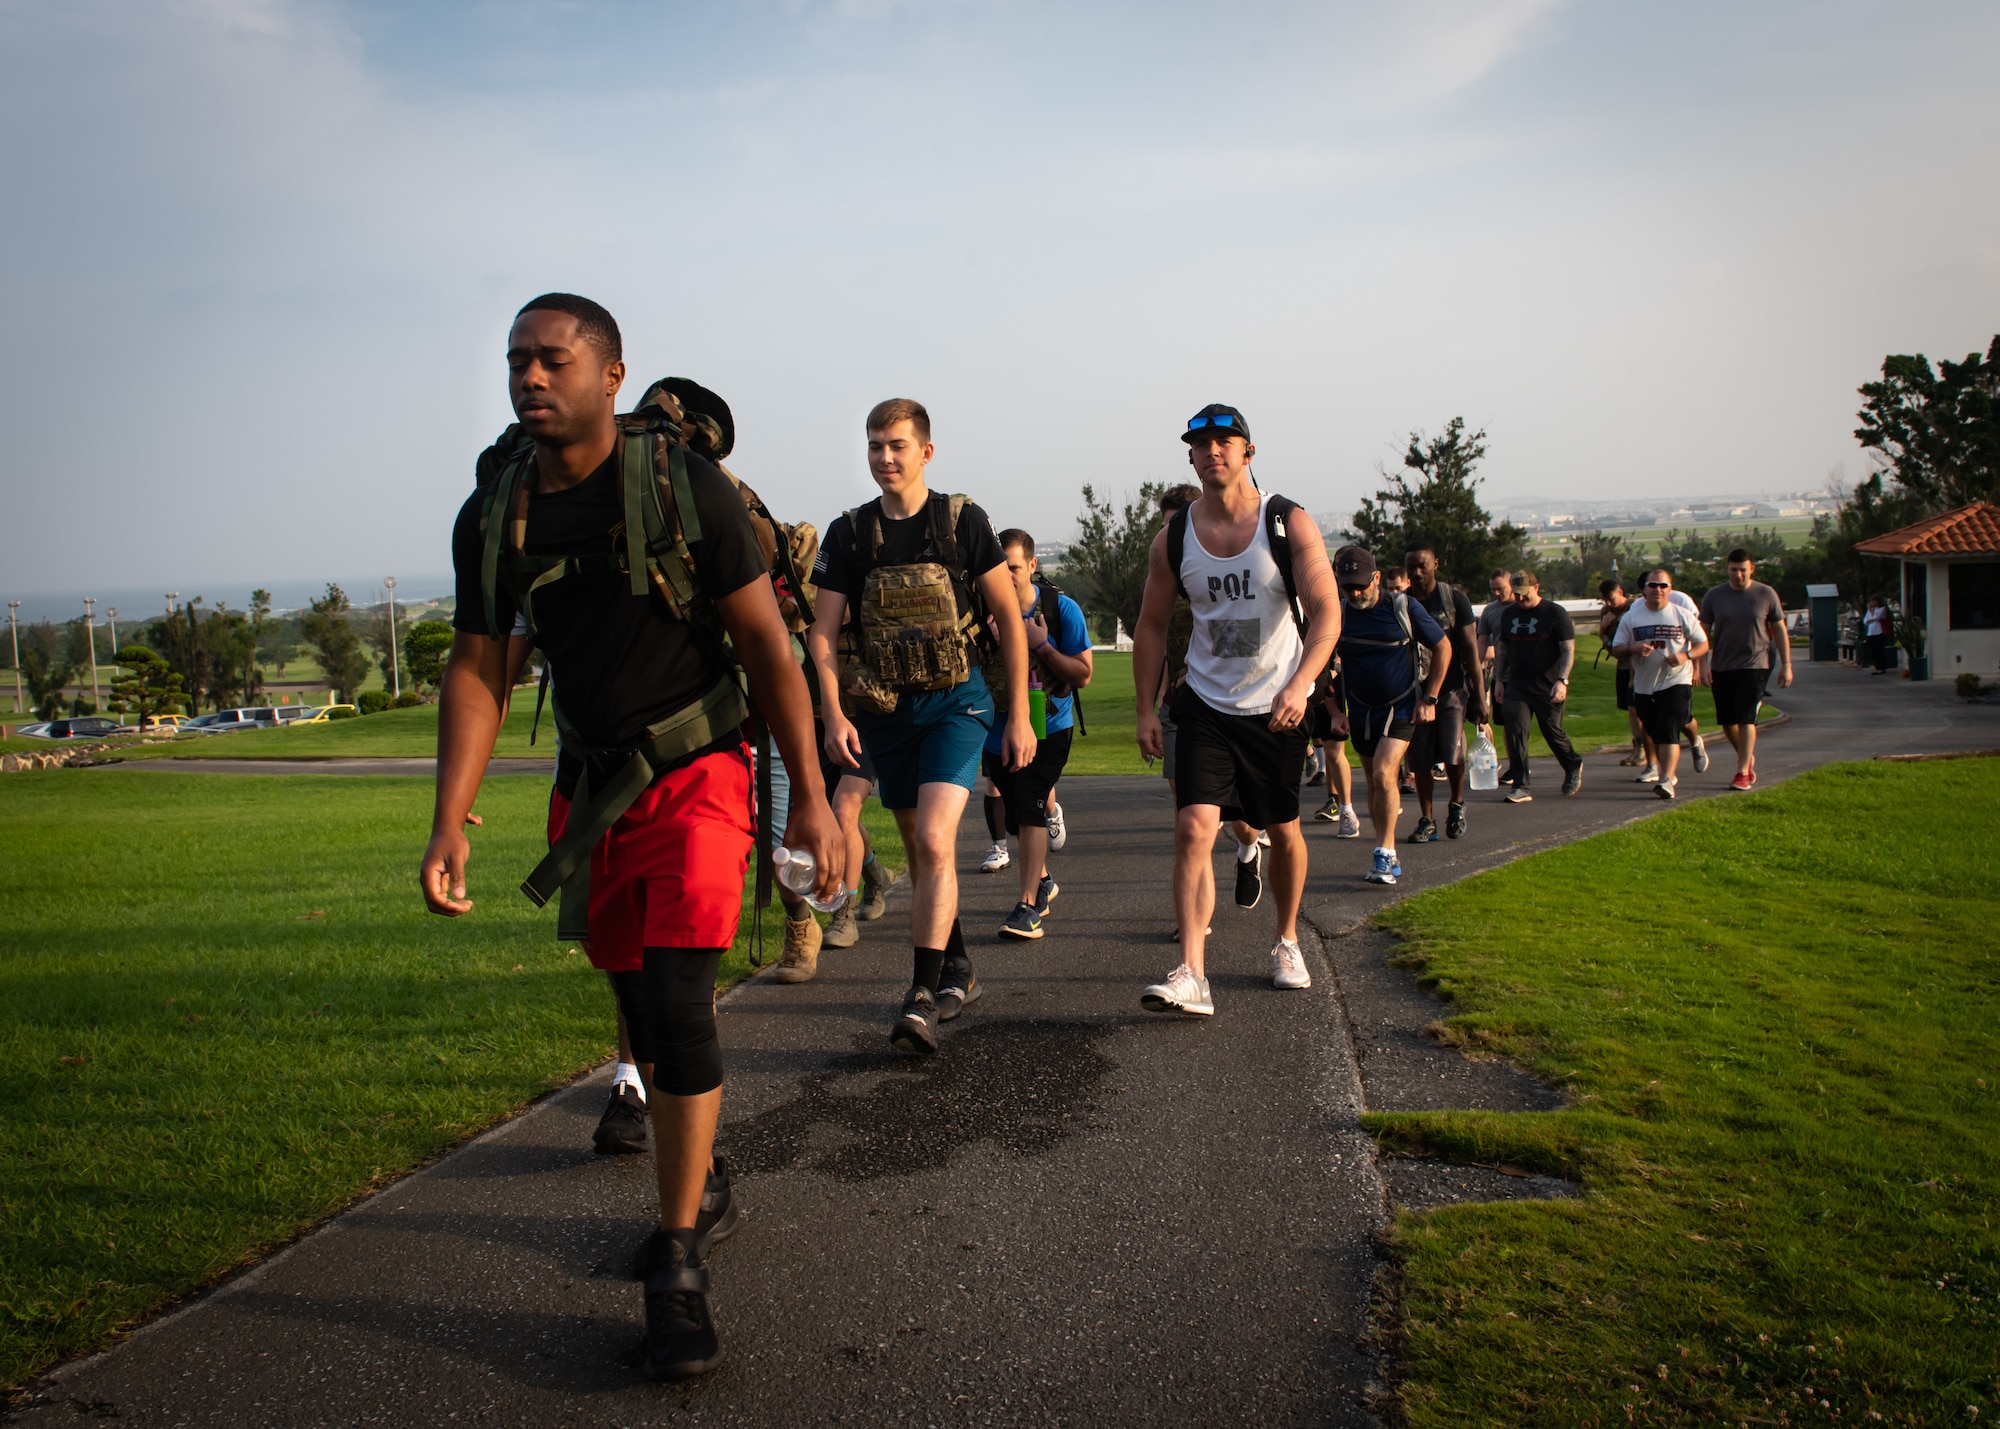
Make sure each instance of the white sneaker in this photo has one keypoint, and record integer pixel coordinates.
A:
(1182, 992)
(1651, 776)
(1288, 966)
(1058, 830)
(1350, 823)
(996, 858)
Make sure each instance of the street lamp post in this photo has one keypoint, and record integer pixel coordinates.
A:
(395, 661)
(90, 630)
(111, 619)
(14, 634)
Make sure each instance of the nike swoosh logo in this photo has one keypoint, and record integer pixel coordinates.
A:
(976, 711)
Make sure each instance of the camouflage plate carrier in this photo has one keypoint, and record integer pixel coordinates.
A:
(918, 625)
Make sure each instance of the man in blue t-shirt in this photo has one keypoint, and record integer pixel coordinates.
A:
(1382, 639)
(1058, 665)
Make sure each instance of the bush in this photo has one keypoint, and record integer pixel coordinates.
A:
(1968, 685)
(408, 700)
(342, 712)
(372, 701)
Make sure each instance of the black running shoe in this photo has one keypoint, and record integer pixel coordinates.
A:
(958, 986)
(1045, 894)
(915, 1031)
(680, 1335)
(1573, 780)
(1250, 879)
(1426, 832)
(1454, 821)
(714, 1223)
(621, 1131)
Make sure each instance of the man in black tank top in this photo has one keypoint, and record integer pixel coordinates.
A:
(1241, 762)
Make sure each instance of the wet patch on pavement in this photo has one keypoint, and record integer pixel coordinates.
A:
(1023, 1085)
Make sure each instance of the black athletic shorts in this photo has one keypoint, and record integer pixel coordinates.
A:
(1236, 761)
(831, 774)
(1662, 715)
(1737, 695)
(1624, 684)
(1026, 790)
(1441, 740)
(1368, 726)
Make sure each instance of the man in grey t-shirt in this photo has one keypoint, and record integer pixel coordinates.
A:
(1745, 621)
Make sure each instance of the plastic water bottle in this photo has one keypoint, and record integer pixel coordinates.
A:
(795, 870)
(1485, 763)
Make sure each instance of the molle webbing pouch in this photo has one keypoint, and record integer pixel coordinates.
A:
(913, 636)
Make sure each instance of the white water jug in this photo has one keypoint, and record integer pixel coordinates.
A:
(1485, 763)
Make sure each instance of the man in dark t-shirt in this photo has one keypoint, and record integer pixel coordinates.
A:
(666, 878)
(1463, 697)
(1531, 677)
(1746, 630)
(926, 749)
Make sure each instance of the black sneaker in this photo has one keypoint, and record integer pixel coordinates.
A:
(1250, 879)
(915, 1031)
(1045, 894)
(621, 1131)
(958, 986)
(1329, 812)
(680, 1335)
(1024, 922)
(1426, 832)
(714, 1223)
(1454, 821)
(1573, 780)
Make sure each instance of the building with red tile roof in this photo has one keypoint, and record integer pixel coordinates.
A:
(1951, 582)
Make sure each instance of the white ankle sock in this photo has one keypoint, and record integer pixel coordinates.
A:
(628, 1076)
(1246, 852)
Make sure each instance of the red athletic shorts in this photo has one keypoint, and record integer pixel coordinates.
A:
(670, 872)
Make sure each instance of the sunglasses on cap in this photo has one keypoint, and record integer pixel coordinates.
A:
(1219, 419)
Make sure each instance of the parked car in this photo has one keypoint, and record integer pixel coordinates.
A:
(293, 714)
(81, 727)
(38, 730)
(324, 713)
(162, 724)
(228, 721)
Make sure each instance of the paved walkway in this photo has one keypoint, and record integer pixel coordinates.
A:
(1077, 1212)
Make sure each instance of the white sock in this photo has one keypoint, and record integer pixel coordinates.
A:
(628, 1076)
(1347, 808)
(1246, 852)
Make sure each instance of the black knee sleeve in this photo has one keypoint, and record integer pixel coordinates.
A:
(996, 817)
(680, 996)
(630, 990)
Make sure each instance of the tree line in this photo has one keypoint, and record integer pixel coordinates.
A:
(1932, 434)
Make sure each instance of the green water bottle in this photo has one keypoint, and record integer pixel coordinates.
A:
(1038, 713)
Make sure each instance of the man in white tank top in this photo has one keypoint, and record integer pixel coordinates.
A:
(1240, 718)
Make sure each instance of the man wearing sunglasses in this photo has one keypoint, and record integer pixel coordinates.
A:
(1663, 639)
(1245, 560)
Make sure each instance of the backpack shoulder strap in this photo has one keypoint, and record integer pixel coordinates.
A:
(944, 513)
(506, 501)
(1177, 526)
(1409, 634)
(1275, 512)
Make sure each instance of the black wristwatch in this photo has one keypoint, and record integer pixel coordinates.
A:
(1430, 700)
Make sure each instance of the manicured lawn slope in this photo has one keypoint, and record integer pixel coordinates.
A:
(224, 1013)
(392, 734)
(1776, 1016)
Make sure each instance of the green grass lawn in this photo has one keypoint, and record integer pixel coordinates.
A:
(410, 733)
(1776, 1018)
(224, 1013)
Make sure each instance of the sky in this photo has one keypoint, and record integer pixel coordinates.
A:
(261, 255)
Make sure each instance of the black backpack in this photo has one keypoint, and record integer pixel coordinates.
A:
(1275, 512)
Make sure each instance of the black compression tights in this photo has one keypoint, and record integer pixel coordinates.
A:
(669, 1009)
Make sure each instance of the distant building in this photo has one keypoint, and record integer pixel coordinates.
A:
(1950, 579)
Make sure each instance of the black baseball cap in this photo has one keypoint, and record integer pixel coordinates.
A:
(1216, 419)
(1353, 566)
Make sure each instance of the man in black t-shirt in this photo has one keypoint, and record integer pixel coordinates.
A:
(666, 878)
(926, 749)
(1442, 740)
(1537, 650)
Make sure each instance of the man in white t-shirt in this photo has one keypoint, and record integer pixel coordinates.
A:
(1662, 639)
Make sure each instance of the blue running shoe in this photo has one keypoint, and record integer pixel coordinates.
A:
(1386, 869)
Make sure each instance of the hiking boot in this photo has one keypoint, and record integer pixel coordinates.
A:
(1330, 810)
(1636, 757)
(915, 1031)
(1024, 923)
(958, 986)
(1519, 795)
(1385, 869)
(1182, 992)
(1573, 781)
(1058, 830)
(841, 929)
(1250, 879)
(1454, 821)
(996, 858)
(1288, 966)
(680, 1335)
(876, 881)
(801, 956)
(1045, 894)
(1350, 823)
(1426, 832)
(621, 1131)
(1665, 788)
(1700, 755)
